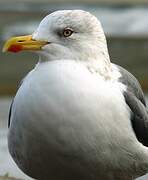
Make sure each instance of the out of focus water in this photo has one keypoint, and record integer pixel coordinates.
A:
(6, 163)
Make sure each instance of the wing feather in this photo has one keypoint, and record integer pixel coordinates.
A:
(135, 100)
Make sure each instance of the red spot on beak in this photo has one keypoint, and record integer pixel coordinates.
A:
(15, 48)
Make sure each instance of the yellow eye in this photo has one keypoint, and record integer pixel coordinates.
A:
(67, 32)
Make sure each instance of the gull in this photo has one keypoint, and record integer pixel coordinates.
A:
(76, 115)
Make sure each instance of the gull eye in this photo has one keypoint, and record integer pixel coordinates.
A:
(67, 32)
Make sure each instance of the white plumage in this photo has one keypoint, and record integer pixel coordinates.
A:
(69, 118)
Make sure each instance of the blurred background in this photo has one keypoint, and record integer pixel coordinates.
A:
(125, 23)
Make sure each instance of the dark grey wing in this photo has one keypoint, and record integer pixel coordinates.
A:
(132, 84)
(10, 111)
(135, 100)
(139, 117)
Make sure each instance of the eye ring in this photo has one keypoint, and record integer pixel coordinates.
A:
(67, 32)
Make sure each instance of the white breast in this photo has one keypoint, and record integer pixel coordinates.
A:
(76, 112)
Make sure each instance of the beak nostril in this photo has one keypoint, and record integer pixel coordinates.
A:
(21, 40)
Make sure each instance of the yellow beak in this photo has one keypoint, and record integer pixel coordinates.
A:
(16, 44)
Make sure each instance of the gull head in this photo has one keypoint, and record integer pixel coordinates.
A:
(65, 34)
